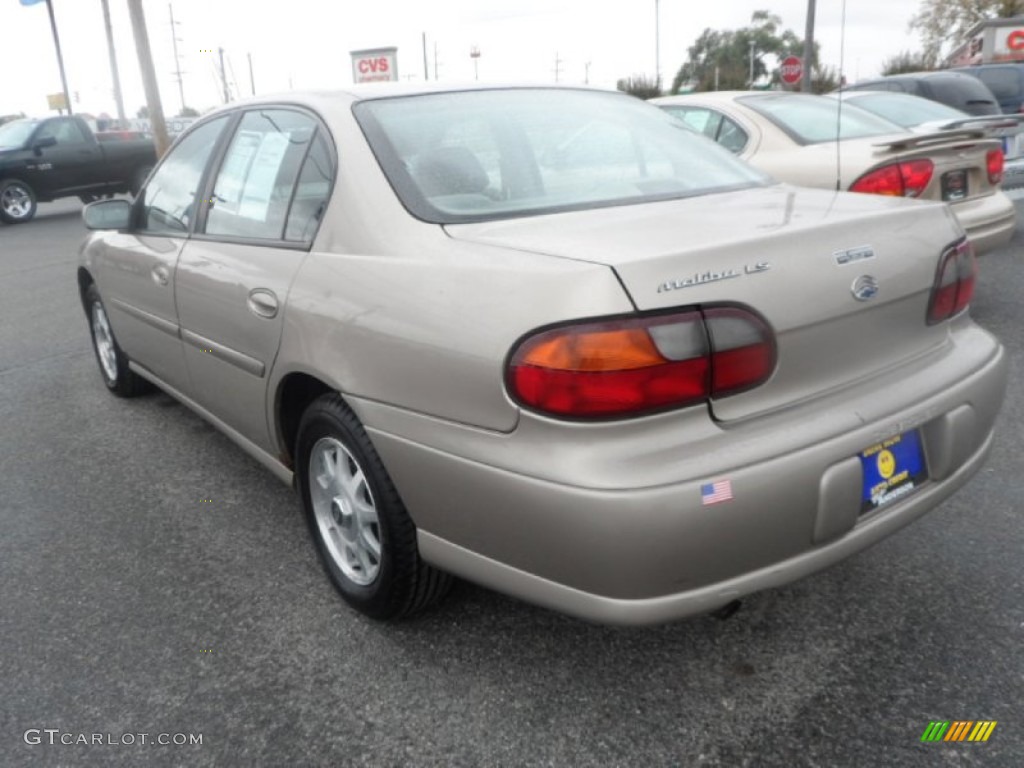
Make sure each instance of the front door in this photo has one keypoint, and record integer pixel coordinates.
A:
(68, 165)
(136, 271)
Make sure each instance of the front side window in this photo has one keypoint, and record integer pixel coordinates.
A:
(254, 186)
(490, 154)
(65, 131)
(169, 202)
(815, 119)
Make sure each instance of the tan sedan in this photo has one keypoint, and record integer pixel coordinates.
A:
(792, 137)
(548, 340)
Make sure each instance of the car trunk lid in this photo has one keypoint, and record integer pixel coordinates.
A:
(795, 256)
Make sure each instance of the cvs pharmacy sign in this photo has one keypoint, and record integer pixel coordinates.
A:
(374, 65)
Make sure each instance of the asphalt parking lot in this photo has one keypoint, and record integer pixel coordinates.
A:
(155, 580)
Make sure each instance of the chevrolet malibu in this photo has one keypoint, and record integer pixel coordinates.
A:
(548, 340)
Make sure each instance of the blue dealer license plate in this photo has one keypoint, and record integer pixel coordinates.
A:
(892, 469)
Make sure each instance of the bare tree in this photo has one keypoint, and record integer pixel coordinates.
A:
(641, 86)
(943, 24)
(906, 61)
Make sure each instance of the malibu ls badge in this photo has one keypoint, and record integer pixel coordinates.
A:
(711, 276)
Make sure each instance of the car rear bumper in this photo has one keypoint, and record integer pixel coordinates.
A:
(613, 553)
(690, 602)
(1013, 173)
(989, 221)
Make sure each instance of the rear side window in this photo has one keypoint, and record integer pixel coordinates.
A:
(254, 186)
(311, 193)
(169, 201)
(1005, 83)
(712, 124)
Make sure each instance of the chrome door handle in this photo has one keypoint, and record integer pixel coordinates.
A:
(161, 275)
(262, 303)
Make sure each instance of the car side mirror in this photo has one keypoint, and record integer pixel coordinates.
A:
(107, 214)
(43, 143)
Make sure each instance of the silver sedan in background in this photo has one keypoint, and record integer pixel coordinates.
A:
(926, 116)
(793, 137)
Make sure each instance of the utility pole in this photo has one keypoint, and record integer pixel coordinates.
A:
(118, 98)
(224, 76)
(586, 73)
(657, 44)
(752, 63)
(558, 66)
(177, 60)
(426, 70)
(252, 80)
(60, 57)
(808, 76)
(435, 59)
(156, 110)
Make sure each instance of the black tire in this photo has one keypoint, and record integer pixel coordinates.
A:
(112, 361)
(17, 202)
(93, 198)
(138, 179)
(398, 582)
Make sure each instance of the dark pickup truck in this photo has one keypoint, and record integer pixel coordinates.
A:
(41, 160)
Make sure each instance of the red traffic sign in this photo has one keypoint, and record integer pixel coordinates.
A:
(792, 70)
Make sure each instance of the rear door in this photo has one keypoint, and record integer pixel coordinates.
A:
(261, 215)
(136, 269)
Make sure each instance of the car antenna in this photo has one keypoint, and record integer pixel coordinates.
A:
(839, 111)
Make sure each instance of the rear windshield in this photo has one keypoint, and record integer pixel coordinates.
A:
(815, 119)
(490, 154)
(962, 92)
(904, 109)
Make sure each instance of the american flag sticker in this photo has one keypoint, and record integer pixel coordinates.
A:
(713, 493)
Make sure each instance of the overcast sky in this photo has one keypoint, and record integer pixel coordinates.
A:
(306, 43)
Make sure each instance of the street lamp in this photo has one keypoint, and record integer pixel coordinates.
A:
(474, 54)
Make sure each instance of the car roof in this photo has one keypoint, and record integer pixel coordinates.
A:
(941, 74)
(726, 96)
(368, 91)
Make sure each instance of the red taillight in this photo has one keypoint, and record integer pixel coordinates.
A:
(639, 365)
(994, 164)
(906, 179)
(954, 283)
